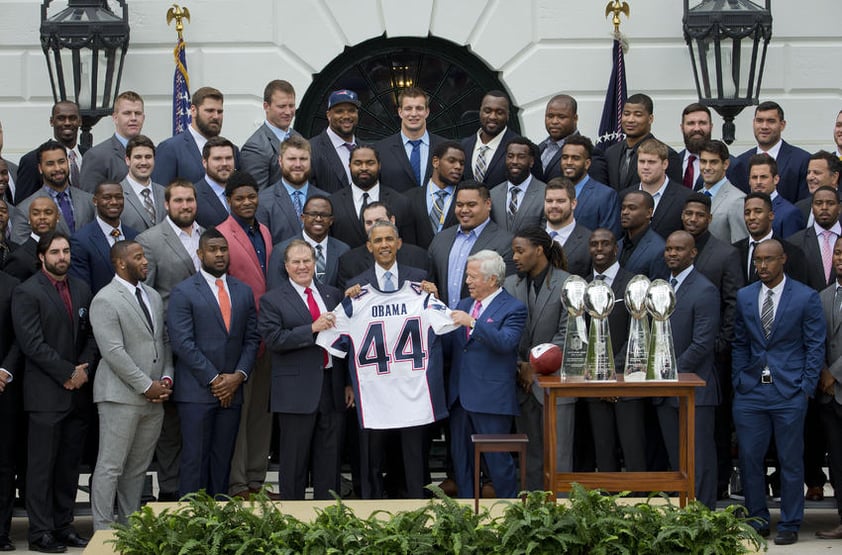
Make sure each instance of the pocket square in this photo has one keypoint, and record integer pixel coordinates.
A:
(490, 321)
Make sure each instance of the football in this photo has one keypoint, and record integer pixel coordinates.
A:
(545, 358)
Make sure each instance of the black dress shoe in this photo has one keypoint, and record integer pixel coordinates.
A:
(764, 532)
(6, 544)
(47, 544)
(786, 537)
(72, 539)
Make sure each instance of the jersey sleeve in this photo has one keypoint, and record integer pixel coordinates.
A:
(336, 340)
(438, 316)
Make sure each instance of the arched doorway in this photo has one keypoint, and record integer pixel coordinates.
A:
(377, 69)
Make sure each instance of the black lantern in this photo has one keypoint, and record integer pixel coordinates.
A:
(727, 41)
(85, 45)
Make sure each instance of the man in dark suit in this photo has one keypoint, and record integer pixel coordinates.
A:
(170, 249)
(410, 461)
(450, 249)
(281, 205)
(308, 386)
(106, 161)
(218, 162)
(23, 261)
(620, 169)
(65, 121)
(622, 421)
(668, 195)
(759, 215)
(778, 353)
(144, 198)
(6, 246)
(641, 248)
(11, 373)
(696, 130)
(482, 396)
(75, 205)
(559, 209)
(405, 160)
(830, 387)
(249, 249)
(822, 171)
(50, 317)
(181, 155)
(348, 202)
(538, 286)
(817, 243)
(317, 218)
(695, 325)
(792, 161)
(360, 259)
(432, 205)
(91, 245)
(6, 194)
(518, 202)
(764, 178)
(212, 322)
(259, 156)
(597, 204)
(720, 263)
(332, 147)
(560, 120)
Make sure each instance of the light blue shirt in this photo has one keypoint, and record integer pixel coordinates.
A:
(716, 187)
(123, 141)
(277, 131)
(681, 277)
(581, 185)
(458, 259)
(425, 150)
(432, 189)
(219, 191)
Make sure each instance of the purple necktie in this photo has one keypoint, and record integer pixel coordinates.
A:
(66, 208)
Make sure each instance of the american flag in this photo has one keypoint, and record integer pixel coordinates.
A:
(610, 131)
(180, 90)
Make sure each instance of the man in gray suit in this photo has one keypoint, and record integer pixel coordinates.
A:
(450, 249)
(830, 386)
(519, 202)
(76, 206)
(133, 379)
(170, 249)
(106, 161)
(538, 284)
(259, 155)
(144, 198)
(728, 224)
(559, 207)
(281, 205)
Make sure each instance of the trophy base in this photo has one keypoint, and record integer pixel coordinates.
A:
(635, 377)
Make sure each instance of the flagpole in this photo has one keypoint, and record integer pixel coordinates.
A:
(181, 79)
(610, 129)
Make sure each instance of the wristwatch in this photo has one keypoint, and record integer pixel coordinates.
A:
(473, 322)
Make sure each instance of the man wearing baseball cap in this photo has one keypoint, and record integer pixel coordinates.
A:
(331, 149)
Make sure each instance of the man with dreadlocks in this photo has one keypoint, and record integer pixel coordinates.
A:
(541, 271)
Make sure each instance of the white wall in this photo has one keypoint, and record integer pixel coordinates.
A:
(542, 47)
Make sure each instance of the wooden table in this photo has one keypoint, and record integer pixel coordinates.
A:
(681, 481)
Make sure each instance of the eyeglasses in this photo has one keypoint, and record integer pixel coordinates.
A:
(318, 215)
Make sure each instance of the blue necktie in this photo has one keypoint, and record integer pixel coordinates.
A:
(66, 208)
(415, 159)
(388, 284)
(299, 206)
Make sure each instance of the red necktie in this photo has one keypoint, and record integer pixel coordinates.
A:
(689, 180)
(315, 313)
(224, 304)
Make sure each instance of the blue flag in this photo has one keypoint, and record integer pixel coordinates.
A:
(180, 90)
(610, 131)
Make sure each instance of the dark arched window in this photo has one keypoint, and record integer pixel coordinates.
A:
(379, 68)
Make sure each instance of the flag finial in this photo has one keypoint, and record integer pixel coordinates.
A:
(178, 13)
(616, 7)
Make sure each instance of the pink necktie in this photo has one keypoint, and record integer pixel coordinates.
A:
(827, 253)
(474, 314)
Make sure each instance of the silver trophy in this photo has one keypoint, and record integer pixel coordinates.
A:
(637, 348)
(599, 302)
(660, 302)
(576, 338)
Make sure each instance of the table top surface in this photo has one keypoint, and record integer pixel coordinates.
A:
(685, 381)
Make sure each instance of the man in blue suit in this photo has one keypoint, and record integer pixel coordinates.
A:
(641, 248)
(778, 352)
(181, 154)
(212, 323)
(218, 161)
(596, 203)
(482, 397)
(763, 178)
(91, 245)
(695, 325)
(792, 161)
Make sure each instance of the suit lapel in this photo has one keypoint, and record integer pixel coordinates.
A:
(103, 249)
(192, 148)
(283, 201)
(294, 300)
(175, 244)
(399, 152)
(52, 293)
(134, 203)
(782, 309)
(204, 290)
(244, 242)
(131, 300)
